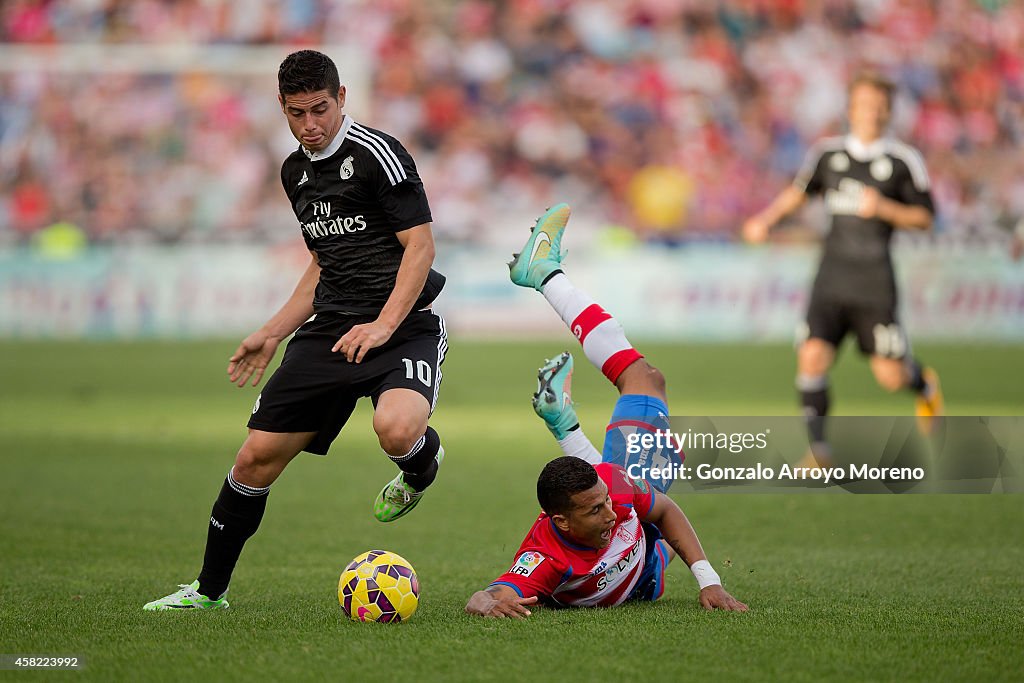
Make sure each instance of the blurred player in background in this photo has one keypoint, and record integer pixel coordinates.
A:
(362, 315)
(872, 184)
(604, 537)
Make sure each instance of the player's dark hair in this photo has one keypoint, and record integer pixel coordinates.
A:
(308, 71)
(876, 80)
(560, 480)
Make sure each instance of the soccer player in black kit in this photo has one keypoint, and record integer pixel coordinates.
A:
(361, 317)
(872, 184)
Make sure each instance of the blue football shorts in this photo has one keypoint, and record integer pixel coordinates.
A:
(636, 415)
(651, 583)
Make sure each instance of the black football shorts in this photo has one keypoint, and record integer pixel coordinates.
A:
(316, 390)
(877, 328)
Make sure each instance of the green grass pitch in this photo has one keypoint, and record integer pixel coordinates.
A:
(113, 453)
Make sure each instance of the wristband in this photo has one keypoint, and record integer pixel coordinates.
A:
(705, 574)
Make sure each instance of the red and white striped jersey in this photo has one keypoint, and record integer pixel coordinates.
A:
(554, 568)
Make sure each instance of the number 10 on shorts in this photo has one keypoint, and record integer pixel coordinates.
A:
(423, 371)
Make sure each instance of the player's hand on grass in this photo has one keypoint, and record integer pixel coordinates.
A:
(252, 357)
(499, 604)
(716, 597)
(755, 230)
(362, 338)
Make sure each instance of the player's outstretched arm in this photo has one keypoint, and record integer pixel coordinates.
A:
(418, 243)
(676, 528)
(254, 354)
(756, 228)
(499, 602)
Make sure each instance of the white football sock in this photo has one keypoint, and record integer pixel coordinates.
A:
(578, 445)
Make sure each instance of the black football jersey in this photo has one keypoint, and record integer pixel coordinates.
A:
(350, 200)
(856, 262)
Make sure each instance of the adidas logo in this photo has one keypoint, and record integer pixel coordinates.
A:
(305, 177)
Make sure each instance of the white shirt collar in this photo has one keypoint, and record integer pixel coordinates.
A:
(339, 138)
(866, 152)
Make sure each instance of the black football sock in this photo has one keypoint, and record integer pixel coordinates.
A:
(420, 464)
(915, 381)
(815, 402)
(236, 516)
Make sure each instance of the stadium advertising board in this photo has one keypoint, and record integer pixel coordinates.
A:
(694, 294)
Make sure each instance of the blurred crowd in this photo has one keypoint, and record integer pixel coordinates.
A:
(661, 120)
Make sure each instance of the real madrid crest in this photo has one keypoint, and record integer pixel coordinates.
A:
(346, 168)
(881, 168)
(839, 162)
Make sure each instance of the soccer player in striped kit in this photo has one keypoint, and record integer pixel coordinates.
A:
(603, 537)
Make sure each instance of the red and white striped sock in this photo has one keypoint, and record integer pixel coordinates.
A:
(603, 339)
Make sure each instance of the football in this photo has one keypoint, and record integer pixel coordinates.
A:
(379, 585)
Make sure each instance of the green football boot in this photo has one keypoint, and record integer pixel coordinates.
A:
(397, 499)
(188, 597)
(553, 399)
(542, 253)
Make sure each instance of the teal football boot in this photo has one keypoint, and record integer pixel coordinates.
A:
(542, 253)
(553, 399)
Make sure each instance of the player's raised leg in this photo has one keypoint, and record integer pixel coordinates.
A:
(235, 517)
(895, 374)
(400, 420)
(539, 266)
(642, 408)
(881, 336)
(642, 405)
(553, 403)
(639, 385)
(639, 436)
